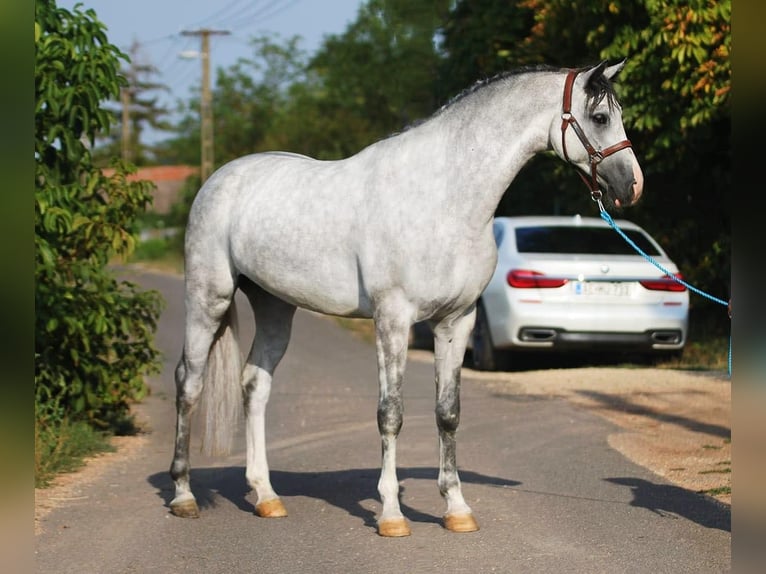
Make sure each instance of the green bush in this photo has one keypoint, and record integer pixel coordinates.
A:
(93, 333)
(151, 249)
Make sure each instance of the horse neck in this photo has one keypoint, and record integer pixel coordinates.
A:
(488, 136)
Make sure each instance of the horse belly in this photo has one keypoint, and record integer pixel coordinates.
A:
(442, 298)
(321, 280)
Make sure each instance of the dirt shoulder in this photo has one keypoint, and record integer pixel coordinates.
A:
(675, 423)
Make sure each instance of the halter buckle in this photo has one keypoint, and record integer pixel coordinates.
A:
(596, 157)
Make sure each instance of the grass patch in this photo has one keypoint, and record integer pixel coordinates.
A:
(716, 471)
(363, 328)
(63, 447)
(723, 463)
(160, 253)
(708, 341)
(711, 354)
(164, 253)
(717, 491)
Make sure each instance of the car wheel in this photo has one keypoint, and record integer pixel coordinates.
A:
(483, 354)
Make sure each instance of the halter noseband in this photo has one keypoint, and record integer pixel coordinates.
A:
(595, 156)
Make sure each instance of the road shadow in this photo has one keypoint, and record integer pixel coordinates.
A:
(672, 501)
(348, 489)
(345, 489)
(622, 404)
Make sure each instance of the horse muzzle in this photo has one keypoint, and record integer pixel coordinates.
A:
(636, 188)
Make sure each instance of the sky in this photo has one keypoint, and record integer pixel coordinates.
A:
(156, 26)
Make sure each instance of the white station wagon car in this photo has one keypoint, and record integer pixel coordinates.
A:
(573, 283)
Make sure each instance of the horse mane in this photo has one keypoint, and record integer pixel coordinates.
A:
(484, 82)
(596, 90)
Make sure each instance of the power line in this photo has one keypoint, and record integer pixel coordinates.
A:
(265, 15)
(220, 13)
(245, 18)
(170, 59)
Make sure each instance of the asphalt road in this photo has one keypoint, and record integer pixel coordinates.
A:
(549, 493)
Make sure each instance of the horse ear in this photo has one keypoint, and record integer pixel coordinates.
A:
(601, 68)
(594, 72)
(611, 71)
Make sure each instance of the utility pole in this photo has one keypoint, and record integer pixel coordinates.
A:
(126, 147)
(206, 106)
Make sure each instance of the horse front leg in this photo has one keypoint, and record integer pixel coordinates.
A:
(392, 333)
(450, 339)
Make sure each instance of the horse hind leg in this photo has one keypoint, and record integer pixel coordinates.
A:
(209, 322)
(273, 325)
(450, 338)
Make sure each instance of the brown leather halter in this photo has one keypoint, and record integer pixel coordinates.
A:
(595, 156)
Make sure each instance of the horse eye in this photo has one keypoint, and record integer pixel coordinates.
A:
(601, 119)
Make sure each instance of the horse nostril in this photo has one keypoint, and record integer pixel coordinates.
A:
(638, 182)
(637, 189)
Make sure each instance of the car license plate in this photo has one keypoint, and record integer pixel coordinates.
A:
(601, 288)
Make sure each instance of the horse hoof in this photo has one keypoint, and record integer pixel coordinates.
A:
(460, 523)
(394, 527)
(185, 509)
(271, 508)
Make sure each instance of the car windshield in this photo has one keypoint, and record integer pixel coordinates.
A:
(582, 240)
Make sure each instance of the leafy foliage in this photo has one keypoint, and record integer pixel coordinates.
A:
(93, 333)
(381, 72)
(482, 38)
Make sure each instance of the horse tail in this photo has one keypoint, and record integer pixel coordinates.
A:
(221, 403)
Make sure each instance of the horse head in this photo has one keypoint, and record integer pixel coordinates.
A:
(591, 135)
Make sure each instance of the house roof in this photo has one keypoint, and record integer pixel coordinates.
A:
(158, 173)
(168, 181)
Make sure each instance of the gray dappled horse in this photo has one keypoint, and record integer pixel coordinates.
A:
(400, 232)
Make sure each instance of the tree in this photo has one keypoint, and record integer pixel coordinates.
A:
(251, 96)
(136, 109)
(480, 39)
(247, 99)
(380, 75)
(93, 333)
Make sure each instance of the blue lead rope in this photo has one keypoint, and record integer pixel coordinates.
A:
(608, 218)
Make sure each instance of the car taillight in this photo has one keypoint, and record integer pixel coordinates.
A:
(666, 283)
(526, 279)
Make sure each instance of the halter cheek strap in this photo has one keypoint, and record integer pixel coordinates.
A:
(594, 156)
